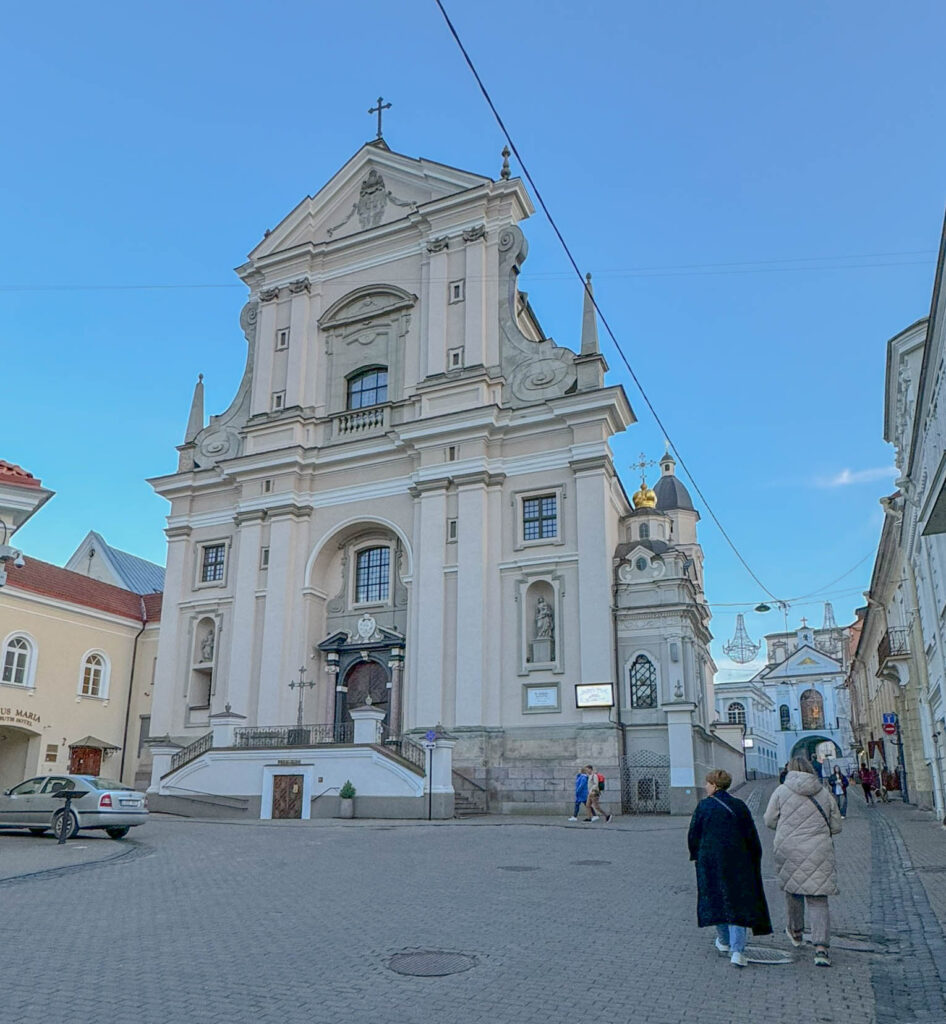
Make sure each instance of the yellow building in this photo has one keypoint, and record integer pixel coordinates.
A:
(76, 659)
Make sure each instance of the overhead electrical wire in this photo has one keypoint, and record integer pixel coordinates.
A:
(604, 320)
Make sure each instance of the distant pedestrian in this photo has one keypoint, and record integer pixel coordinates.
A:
(782, 774)
(837, 783)
(594, 796)
(867, 783)
(805, 821)
(581, 793)
(725, 845)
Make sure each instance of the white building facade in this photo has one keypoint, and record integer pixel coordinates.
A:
(411, 498)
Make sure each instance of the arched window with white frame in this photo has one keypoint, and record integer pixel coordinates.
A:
(736, 713)
(93, 677)
(18, 661)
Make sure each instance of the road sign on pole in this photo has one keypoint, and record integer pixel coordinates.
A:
(890, 728)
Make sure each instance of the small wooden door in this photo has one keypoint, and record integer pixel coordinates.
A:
(287, 796)
(85, 761)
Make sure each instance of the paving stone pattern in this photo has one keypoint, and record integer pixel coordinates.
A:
(295, 922)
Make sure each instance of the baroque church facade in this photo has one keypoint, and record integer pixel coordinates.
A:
(411, 506)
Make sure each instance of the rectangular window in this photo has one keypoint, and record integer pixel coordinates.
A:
(212, 562)
(368, 388)
(454, 358)
(52, 753)
(451, 531)
(268, 486)
(457, 291)
(372, 575)
(264, 558)
(539, 518)
(279, 400)
(282, 338)
(451, 453)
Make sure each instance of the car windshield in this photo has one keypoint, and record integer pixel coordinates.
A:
(100, 783)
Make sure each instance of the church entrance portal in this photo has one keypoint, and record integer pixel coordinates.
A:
(366, 682)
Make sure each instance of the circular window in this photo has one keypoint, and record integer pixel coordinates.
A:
(641, 564)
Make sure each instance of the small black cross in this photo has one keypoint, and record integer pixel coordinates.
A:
(378, 110)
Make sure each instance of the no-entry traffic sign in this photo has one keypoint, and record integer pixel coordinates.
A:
(890, 728)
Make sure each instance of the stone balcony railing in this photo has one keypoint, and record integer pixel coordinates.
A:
(356, 423)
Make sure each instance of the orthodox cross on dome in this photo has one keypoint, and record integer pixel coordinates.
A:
(379, 109)
(642, 463)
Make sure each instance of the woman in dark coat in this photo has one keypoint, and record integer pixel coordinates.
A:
(725, 845)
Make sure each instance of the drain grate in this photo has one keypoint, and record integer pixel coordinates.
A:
(434, 963)
(768, 955)
(591, 863)
(517, 867)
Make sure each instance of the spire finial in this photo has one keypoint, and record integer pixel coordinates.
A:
(379, 110)
(505, 172)
(195, 421)
(589, 322)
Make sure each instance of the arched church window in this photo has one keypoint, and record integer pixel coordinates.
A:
(369, 387)
(812, 710)
(643, 678)
(736, 714)
(645, 531)
(784, 718)
(372, 575)
(93, 676)
(16, 661)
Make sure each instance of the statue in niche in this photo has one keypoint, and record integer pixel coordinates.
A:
(544, 619)
(207, 646)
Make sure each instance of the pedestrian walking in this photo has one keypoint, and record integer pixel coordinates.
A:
(838, 784)
(581, 793)
(725, 845)
(805, 822)
(782, 774)
(594, 796)
(867, 783)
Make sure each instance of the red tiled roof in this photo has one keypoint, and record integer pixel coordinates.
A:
(11, 474)
(74, 588)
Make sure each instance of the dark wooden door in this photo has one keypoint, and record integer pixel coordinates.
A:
(85, 761)
(366, 679)
(287, 796)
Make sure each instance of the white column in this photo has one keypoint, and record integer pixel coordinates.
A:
(166, 705)
(474, 341)
(246, 551)
(223, 725)
(594, 573)
(263, 371)
(161, 754)
(472, 603)
(680, 736)
(426, 653)
(437, 314)
(298, 350)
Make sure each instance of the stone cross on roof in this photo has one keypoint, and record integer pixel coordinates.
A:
(379, 109)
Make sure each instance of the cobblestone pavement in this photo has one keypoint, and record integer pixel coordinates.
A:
(294, 922)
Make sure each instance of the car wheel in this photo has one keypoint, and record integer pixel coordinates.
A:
(62, 824)
(117, 833)
(38, 831)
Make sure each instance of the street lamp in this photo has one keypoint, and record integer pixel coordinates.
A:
(301, 683)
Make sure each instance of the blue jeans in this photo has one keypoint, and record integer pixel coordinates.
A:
(841, 802)
(732, 935)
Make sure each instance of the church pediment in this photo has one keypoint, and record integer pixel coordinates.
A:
(375, 187)
(805, 661)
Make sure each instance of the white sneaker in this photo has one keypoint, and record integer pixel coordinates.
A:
(739, 960)
(791, 938)
(594, 817)
(573, 818)
(721, 946)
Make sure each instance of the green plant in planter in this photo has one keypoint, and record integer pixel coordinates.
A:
(347, 791)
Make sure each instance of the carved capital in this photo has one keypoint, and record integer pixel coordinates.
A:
(475, 233)
(301, 284)
(438, 244)
(268, 294)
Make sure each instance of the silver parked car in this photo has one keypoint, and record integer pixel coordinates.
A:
(103, 803)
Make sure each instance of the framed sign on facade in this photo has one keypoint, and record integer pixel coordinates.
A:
(594, 695)
(538, 697)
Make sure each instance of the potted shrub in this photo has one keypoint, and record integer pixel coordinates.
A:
(347, 800)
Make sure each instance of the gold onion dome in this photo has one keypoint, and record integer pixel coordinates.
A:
(645, 497)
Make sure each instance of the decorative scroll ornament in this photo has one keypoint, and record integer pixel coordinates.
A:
(438, 244)
(372, 202)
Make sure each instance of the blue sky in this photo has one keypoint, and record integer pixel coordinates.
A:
(758, 190)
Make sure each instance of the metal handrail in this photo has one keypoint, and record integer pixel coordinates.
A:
(894, 643)
(270, 737)
(192, 751)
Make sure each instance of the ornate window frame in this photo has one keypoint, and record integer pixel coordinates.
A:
(200, 548)
(629, 663)
(363, 545)
(519, 499)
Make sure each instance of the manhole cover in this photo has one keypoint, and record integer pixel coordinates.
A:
(517, 867)
(590, 863)
(767, 955)
(431, 964)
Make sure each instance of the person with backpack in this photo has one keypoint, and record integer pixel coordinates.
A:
(805, 822)
(725, 845)
(595, 785)
(581, 793)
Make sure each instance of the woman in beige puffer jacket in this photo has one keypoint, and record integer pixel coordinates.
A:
(805, 819)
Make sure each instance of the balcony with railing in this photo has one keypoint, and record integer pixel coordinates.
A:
(357, 423)
(279, 737)
(895, 643)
